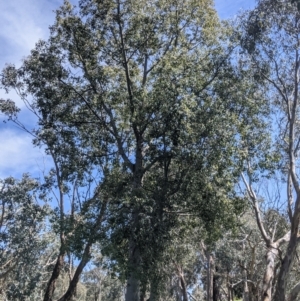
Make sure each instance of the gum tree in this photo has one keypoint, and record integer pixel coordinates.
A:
(147, 94)
(271, 38)
(22, 224)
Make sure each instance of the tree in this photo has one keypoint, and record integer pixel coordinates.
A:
(22, 222)
(143, 100)
(271, 38)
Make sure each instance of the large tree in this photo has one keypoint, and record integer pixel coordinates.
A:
(145, 98)
(271, 38)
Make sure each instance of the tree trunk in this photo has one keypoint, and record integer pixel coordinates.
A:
(55, 274)
(60, 259)
(280, 293)
(132, 289)
(228, 287)
(269, 273)
(183, 287)
(216, 288)
(73, 284)
(210, 276)
(246, 295)
(284, 272)
(133, 283)
(133, 292)
(68, 296)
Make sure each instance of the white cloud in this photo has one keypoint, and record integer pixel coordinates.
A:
(18, 155)
(19, 26)
(22, 24)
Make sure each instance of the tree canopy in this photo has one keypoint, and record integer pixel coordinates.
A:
(159, 121)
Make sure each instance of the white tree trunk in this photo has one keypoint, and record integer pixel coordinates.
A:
(269, 272)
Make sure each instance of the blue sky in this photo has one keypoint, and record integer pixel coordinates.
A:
(229, 8)
(22, 24)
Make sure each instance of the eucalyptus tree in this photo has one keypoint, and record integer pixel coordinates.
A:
(80, 195)
(143, 100)
(81, 203)
(22, 244)
(271, 37)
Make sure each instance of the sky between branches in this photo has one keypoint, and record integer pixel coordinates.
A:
(22, 24)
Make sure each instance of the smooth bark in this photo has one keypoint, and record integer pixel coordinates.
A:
(48, 296)
(210, 277)
(153, 291)
(271, 255)
(68, 296)
(246, 294)
(280, 293)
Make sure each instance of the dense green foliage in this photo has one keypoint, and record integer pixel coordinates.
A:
(159, 120)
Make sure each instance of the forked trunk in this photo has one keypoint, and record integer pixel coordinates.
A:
(182, 283)
(71, 292)
(183, 289)
(55, 274)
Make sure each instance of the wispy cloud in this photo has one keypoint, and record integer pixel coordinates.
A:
(22, 24)
(18, 156)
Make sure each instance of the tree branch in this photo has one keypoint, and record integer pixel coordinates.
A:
(253, 198)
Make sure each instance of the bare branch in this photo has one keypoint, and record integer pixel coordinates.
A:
(253, 198)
